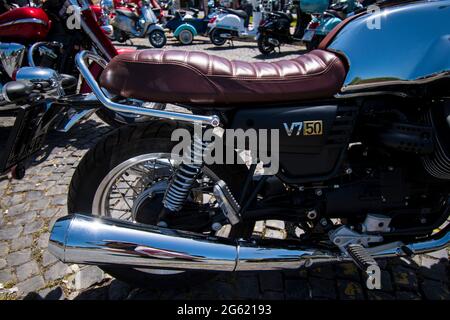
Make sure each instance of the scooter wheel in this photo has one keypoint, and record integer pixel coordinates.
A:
(216, 39)
(157, 38)
(185, 37)
(264, 46)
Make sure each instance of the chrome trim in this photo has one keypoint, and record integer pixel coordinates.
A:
(118, 107)
(40, 75)
(87, 239)
(75, 118)
(21, 21)
(36, 45)
(11, 56)
(368, 94)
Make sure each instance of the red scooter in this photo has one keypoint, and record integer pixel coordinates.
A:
(50, 36)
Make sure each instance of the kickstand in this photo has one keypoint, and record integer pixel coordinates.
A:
(131, 42)
(231, 43)
(279, 49)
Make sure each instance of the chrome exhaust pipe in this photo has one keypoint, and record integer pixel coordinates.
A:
(86, 239)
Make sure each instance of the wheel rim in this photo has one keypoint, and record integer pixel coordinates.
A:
(125, 183)
(157, 38)
(185, 37)
(217, 39)
(266, 46)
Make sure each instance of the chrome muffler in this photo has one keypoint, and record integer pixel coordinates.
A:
(85, 239)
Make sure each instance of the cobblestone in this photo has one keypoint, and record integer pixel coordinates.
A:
(28, 207)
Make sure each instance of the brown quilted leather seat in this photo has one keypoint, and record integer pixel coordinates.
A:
(176, 76)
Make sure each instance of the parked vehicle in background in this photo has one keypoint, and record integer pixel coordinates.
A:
(138, 21)
(40, 37)
(275, 30)
(185, 26)
(231, 24)
(322, 24)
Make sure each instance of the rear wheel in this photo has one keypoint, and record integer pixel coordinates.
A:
(157, 38)
(185, 37)
(125, 176)
(264, 46)
(216, 39)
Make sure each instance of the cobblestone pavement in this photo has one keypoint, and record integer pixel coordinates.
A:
(30, 206)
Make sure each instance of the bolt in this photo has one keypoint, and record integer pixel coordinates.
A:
(323, 222)
(318, 192)
(423, 220)
(348, 171)
(312, 214)
(216, 226)
(390, 168)
(301, 188)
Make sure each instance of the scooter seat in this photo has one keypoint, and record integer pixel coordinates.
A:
(240, 13)
(197, 78)
(127, 13)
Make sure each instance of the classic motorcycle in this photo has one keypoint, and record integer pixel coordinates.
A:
(363, 156)
(39, 36)
(139, 21)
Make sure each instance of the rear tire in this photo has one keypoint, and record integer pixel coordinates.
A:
(216, 39)
(264, 46)
(185, 37)
(157, 38)
(128, 142)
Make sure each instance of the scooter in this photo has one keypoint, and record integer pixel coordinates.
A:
(275, 30)
(322, 24)
(139, 22)
(186, 27)
(230, 24)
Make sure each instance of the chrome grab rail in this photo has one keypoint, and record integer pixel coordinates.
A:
(118, 107)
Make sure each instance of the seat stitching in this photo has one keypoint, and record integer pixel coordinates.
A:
(292, 77)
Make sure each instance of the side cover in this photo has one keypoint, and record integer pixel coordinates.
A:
(312, 139)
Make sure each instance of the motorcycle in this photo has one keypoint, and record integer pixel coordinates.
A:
(229, 24)
(322, 24)
(364, 163)
(40, 36)
(139, 22)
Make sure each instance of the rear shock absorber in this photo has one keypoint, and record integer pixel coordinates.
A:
(185, 176)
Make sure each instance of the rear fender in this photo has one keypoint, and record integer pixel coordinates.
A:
(154, 27)
(185, 26)
(327, 24)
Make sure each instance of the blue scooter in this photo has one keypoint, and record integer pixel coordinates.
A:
(322, 24)
(186, 27)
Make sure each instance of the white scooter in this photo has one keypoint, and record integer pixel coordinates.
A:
(140, 22)
(230, 24)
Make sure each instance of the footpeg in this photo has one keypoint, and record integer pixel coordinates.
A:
(361, 256)
(230, 207)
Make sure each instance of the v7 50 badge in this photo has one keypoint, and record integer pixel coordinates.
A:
(306, 128)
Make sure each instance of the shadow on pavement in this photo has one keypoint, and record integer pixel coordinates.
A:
(402, 279)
